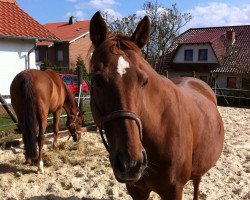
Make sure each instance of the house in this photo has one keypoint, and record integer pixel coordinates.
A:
(75, 42)
(221, 54)
(19, 34)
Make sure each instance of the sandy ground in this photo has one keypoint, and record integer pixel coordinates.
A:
(82, 171)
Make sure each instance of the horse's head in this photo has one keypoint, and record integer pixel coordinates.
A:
(74, 124)
(117, 95)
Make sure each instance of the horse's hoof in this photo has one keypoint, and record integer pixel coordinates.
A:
(40, 171)
(55, 146)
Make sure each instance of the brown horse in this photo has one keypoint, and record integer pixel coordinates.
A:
(160, 133)
(35, 94)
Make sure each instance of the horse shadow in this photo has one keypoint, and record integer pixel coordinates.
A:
(6, 168)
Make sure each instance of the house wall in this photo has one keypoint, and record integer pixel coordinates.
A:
(71, 51)
(80, 48)
(14, 59)
(221, 80)
(179, 57)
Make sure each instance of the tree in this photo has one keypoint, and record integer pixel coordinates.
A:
(165, 27)
(80, 62)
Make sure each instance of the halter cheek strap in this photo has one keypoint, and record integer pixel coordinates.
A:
(73, 123)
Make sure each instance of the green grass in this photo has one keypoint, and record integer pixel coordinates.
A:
(6, 123)
(8, 130)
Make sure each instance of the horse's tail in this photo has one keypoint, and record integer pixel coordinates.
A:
(29, 118)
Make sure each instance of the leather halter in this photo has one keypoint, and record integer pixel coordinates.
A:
(102, 119)
(115, 115)
(73, 123)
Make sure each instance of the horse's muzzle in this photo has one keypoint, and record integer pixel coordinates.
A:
(127, 170)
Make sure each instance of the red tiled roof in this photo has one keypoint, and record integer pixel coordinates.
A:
(68, 32)
(15, 23)
(204, 37)
(45, 43)
(238, 62)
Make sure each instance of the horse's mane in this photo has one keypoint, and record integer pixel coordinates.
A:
(69, 99)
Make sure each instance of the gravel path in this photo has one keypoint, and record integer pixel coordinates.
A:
(82, 171)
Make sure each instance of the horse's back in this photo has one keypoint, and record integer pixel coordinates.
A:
(195, 85)
(46, 86)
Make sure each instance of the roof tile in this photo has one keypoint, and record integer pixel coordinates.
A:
(14, 22)
(238, 62)
(68, 32)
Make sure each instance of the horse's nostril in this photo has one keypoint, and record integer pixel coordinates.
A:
(119, 163)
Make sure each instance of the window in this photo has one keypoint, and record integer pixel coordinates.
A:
(246, 83)
(202, 54)
(203, 78)
(67, 80)
(231, 82)
(188, 55)
(59, 55)
(37, 55)
(75, 80)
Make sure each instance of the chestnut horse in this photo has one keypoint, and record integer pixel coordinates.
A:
(160, 133)
(35, 94)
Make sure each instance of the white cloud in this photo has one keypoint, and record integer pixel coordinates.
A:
(72, 1)
(113, 13)
(102, 4)
(97, 4)
(219, 14)
(78, 14)
(140, 13)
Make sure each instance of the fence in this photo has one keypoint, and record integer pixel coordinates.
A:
(7, 124)
(225, 97)
(232, 97)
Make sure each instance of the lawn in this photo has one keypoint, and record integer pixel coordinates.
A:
(8, 130)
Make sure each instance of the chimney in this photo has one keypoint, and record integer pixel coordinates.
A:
(230, 36)
(72, 20)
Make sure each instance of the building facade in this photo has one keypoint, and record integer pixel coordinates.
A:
(19, 34)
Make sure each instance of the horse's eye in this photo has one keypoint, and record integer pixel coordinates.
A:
(145, 82)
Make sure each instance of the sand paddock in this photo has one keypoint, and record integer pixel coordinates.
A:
(82, 171)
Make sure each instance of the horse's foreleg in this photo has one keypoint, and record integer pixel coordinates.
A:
(56, 120)
(172, 192)
(138, 193)
(196, 183)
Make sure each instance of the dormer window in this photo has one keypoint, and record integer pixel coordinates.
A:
(202, 55)
(188, 55)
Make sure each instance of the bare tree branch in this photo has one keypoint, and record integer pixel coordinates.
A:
(165, 27)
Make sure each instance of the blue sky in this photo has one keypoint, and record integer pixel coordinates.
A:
(204, 12)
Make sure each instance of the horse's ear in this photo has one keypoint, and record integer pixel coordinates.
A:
(98, 29)
(142, 33)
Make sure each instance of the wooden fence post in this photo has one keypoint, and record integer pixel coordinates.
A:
(6, 107)
(80, 100)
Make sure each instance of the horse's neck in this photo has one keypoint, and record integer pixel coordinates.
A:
(69, 103)
(160, 98)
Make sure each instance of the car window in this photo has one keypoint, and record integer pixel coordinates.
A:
(67, 80)
(75, 80)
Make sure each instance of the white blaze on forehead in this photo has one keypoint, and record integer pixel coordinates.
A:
(122, 66)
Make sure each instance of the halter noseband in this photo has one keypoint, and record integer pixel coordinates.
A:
(115, 115)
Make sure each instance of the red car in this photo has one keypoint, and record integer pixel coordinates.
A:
(71, 81)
